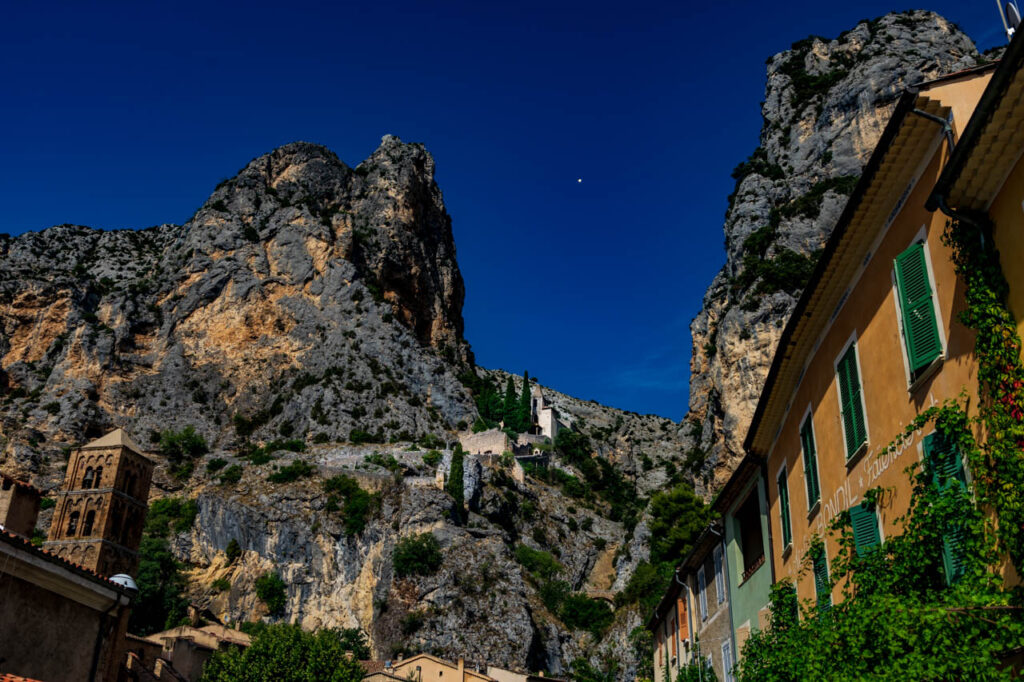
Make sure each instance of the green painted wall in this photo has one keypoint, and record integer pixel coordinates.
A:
(747, 599)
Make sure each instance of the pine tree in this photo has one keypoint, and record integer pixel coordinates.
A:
(524, 405)
(511, 408)
(455, 484)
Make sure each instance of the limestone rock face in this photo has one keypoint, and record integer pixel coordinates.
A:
(304, 296)
(826, 104)
(313, 301)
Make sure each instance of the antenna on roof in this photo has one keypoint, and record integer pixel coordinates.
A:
(1010, 14)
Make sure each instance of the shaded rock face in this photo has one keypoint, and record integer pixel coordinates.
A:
(304, 295)
(826, 104)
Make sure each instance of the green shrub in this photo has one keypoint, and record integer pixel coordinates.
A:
(580, 612)
(170, 514)
(233, 550)
(271, 591)
(286, 653)
(357, 506)
(358, 437)
(412, 621)
(432, 458)
(417, 555)
(178, 446)
(292, 472)
(320, 437)
(47, 503)
(216, 464)
(539, 563)
(221, 584)
(553, 593)
(231, 475)
(389, 462)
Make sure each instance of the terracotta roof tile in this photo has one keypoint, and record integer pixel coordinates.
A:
(7, 677)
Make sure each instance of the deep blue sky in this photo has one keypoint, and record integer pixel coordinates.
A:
(127, 115)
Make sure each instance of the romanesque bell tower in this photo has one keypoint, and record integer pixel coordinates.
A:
(102, 506)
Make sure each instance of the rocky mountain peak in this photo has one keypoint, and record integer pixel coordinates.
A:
(826, 103)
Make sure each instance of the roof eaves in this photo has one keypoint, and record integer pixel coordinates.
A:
(904, 106)
(1008, 66)
(27, 546)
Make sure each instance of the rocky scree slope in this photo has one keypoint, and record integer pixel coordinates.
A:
(826, 104)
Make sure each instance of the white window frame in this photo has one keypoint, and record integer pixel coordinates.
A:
(851, 457)
(727, 662)
(914, 384)
(702, 589)
(719, 559)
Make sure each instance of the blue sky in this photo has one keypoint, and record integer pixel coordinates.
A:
(124, 115)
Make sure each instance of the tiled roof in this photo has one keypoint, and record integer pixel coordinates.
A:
(7, 677)
(372, 666)
(116, 438)
(24, 544)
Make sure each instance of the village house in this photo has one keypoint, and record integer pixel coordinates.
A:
(19, 506)
(423, 668)
(692, 620)
(178, 654)
(874, 340)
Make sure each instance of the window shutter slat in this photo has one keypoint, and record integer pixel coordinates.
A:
(866, 535)
(821, 587)
(810, 462)
(787, 529)
(920, 327)
(854, 426)
(946, 469)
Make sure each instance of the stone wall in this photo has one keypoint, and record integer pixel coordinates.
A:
(492, 441)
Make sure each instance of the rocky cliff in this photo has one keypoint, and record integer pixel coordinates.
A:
(308, 305)
(826, 103)
(304, 296)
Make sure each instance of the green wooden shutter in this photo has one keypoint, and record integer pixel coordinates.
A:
(854, 425)
(810, 462)
(946, 469)
(920, 328)
(865, 528)
(787, 529)
(822, 588)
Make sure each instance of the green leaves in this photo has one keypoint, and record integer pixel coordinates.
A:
(285, 653)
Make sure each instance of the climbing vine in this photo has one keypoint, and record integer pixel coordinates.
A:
(905, 613)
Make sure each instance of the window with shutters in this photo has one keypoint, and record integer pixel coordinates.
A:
(822, 586)
(851, 404)
(921, 337)
(866, 535)
(702, 591)
(787, 528)
(810, 463)
(945, 467)
(727, 661)
(719, 575)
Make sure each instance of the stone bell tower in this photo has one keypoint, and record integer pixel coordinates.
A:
(102, 506)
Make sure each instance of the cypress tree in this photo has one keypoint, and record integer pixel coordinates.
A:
(511, 407)
(455, 484)
(524, 405)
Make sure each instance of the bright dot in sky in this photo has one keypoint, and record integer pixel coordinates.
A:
(579, 179)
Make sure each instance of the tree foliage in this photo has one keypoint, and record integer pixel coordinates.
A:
(286, 653)
(678, 515)
(417, 555)
(271, 590)
(356, 505)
